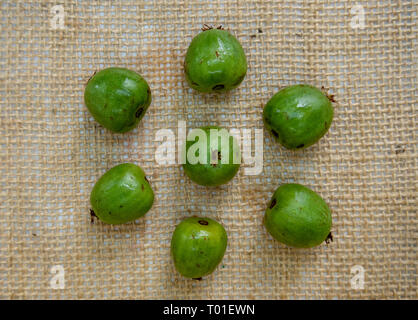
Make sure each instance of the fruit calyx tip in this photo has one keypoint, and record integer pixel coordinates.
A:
(329, 238)
(207, 27)
(92, 216)
(330, 97)
(91, 77)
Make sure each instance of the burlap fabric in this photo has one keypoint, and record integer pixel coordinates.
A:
(52, 151)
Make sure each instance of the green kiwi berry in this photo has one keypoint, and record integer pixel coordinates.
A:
(298, 217)
(222, 159)
(121, 195)
(117, 98)
(198, 246)
(298, 116)
(215, 61)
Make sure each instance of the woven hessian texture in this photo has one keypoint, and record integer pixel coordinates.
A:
(52, 151)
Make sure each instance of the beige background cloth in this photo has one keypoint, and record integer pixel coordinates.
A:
(52, 151)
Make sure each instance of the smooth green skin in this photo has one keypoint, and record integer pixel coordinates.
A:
(212, 175)
(122, 194)
(298, 116)
(117, 98)
(215, 62)
(298, 217)
(197, 249)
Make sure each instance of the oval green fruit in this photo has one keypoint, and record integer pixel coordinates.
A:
(122, 194)
(298, 116)
(211, 161)
(215, 62)
(298, 217)
(198, 246)
(117, 98)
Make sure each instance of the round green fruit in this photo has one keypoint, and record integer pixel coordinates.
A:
(215, 61)
(211, 161)
(198, 246)
(298, 116)
(121, 195)
(117, 98)
(298, 217)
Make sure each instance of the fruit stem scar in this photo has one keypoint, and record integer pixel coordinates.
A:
(273, 203)
(138, 112)
(218, 87)
(203, 222)
(216, 155)
(329, 238)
